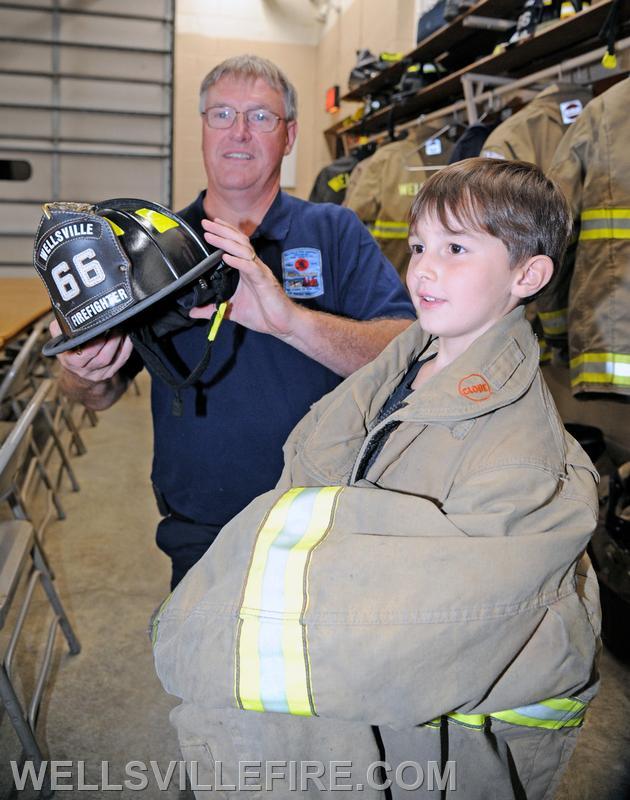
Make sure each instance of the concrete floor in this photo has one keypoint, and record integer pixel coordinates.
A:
(105, 705)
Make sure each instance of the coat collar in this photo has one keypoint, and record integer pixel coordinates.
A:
(495, 370)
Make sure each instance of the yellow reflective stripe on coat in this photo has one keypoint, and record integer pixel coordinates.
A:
(156, 618)
(554, 323)
(386, 229)
(272, 669)
(559, 712)
(605, 223)
(339, 182)
(597, 368)
(545, 351)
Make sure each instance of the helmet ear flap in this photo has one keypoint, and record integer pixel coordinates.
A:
(103, 265)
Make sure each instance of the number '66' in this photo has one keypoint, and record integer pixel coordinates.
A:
(88, 268)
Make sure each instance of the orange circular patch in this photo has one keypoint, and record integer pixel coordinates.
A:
(474, 387)
(301, 264)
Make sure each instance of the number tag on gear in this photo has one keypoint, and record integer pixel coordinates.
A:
(83, 266)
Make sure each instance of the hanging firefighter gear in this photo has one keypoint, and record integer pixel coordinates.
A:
(533, 133)
(382, 188)
(588, 302)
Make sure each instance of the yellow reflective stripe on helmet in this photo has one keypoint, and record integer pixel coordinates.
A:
(600, 368)
(272, 668)
(116, 228)
(554, 322)
(159, 221)
(387, 229)
(605, 223)
(559, 712)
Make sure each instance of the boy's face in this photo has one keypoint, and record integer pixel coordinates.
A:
(460, 283)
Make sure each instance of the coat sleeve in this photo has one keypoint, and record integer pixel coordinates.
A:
(364, 189)
(381, 608)
(568, 170)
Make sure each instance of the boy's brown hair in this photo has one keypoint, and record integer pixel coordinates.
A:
(510, 200)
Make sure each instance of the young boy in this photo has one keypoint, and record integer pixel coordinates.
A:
(420, 566)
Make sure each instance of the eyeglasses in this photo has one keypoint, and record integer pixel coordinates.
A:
(260, 120)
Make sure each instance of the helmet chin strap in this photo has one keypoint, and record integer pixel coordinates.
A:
(147, 344)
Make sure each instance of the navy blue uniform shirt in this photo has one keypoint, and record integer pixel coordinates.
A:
(226, 448)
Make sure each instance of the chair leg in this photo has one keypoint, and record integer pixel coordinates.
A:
(76, 439)
(40, 564)
(59, 445)
(61, 514)
(22, 728)
(91, 417)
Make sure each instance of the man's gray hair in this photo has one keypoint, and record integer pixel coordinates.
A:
(253, 67)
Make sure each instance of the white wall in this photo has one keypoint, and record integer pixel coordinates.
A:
(287, 21)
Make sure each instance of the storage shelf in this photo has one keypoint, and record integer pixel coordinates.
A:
(439, 43)
(552, 45)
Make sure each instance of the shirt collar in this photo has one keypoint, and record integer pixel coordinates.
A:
(277, 221)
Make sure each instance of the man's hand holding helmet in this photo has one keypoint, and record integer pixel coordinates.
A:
(259, 302)
(96, 360)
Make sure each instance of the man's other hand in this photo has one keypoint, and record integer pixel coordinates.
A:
(259, 302)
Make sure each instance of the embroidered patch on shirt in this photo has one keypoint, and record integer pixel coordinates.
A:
(570, 111)
(474, 387)
(302, 273)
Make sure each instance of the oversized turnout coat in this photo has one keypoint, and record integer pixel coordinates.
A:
(444, 593)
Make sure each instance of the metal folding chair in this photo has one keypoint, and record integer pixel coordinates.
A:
(16, 485)
(18, 385)
(22, 557)
(62, 406)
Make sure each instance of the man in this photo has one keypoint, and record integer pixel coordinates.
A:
(315, 301)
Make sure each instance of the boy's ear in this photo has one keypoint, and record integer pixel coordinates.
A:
(532, 276)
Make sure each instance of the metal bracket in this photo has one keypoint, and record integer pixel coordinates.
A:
(488, 23)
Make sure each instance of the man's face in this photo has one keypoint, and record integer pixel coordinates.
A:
(237, 158)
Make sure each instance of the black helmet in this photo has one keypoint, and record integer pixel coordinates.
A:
(106, 263)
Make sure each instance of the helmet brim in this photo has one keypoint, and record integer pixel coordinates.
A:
(62, 343)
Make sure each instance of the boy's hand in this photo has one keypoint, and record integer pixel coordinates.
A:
(259, 302)
(96, 360)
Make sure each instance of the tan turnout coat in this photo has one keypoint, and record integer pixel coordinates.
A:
(452, 578)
